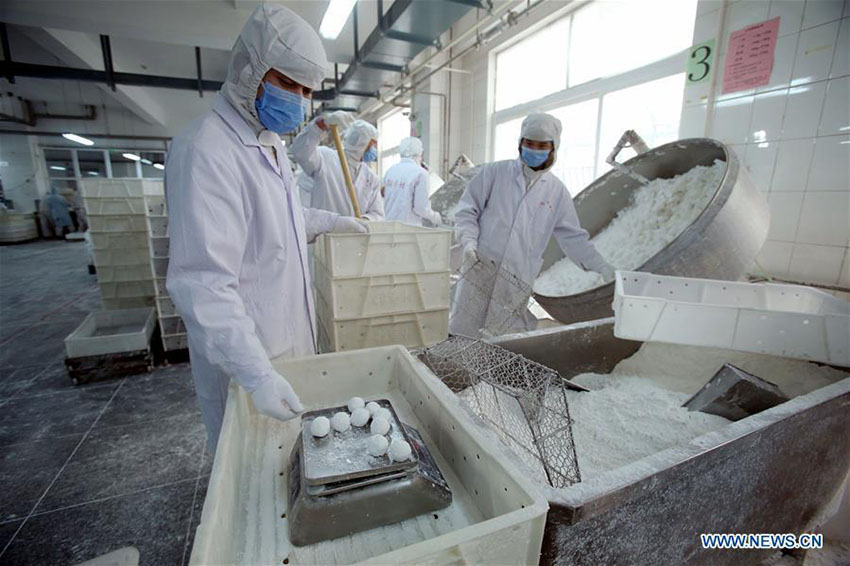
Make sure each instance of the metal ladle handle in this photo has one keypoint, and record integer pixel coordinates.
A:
(631, 139)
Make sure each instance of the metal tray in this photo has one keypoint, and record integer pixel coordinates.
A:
(341, 457)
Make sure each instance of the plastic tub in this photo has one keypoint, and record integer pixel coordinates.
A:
(111, 331)
(118, 257)
(158, 225)
(388, 247)
(128, 303)
(160, 266)
(155, 205)
(172, 324)
(127, 289)
(99, 206)
(117, 223)
(124, 273)
(165, 307)
(161, 289)
(159, 246)
(174, 342)
(496, 516)
(783, 320)
(356, 297)
(113, 241)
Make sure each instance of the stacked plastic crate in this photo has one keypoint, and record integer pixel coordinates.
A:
(389, 286)
(171, 326)
(117, 226)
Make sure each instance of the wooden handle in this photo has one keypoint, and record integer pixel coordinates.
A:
(343, 162)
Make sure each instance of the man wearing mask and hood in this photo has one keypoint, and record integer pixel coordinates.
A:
(360, 143)
(406, 187)
(238, 271)
(506, 217)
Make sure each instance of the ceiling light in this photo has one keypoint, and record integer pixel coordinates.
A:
(159, 166)
(131, 156)
(93, 173)
(57, 168)
(335, 17)
(78, 139)
(147, 161)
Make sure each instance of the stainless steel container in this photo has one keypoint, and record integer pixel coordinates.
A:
(720, 244)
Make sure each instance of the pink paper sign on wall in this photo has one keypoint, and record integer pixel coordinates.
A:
(749, 57)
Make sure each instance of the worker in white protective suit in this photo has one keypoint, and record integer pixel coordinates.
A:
(406, 187)
(360, 142)
(504, 221)
(238, 268)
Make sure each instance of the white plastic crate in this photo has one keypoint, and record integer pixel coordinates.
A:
(117, 224)
(155, 205)
(412, 329)
(161, 289)
(121, 273)
(111, 331)
(121, 187)
(354, 297)
(165, 307)
(118, 257)
(158, 225)
(129, 303)
(497, 515)
(175, 342)
(159, 246)
(97, 206)
(171, 325)
(783, 320)
(127, 289)
(116, 241)
(160, 266)
(388, 247)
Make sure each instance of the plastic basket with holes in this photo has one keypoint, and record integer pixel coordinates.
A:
(793, 321)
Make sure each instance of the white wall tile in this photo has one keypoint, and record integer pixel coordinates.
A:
(719, 94)
(816, 264)
(790, 13)
(841, 58)
(821, 11)
(846, 13)
(836, 110)
(783, 63)
(760, 159)
(844, 278)
(768, 111)
(792, 165)
(742, 14)
(803, 111)
(698, 94)
(830, 164)
(706, 6)
(825, 218)
(732, 120)
(774, 258)
(784, 215)
(706, 26)
(692, 121)
(814, 54)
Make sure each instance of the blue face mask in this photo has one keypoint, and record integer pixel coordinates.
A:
(279, 110)
(371, 155)
(534, 157)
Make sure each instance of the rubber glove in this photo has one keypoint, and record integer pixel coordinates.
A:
(341, 119)
(607, 273)
(470, 254)
(349, 225)
(275, 398)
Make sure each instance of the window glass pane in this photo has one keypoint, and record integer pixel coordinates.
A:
(148, 160)
(121, 166)
(534, 67)
(392, 129)
(507, 140)
(614, 36)
(92, 163)
(577, 154)
(59, 163)
(657, 122)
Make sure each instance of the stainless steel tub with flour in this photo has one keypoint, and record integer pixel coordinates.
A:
(720, 244)
(773, 472)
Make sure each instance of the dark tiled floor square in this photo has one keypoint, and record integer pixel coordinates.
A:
(13, 380)
(40, 345)
(119, 460)
(47, 416)
(154, 521)
(54, 379)
(26, 471)
(166, 392)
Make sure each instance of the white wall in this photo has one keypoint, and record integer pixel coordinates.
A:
(25, 173)
(793, 134)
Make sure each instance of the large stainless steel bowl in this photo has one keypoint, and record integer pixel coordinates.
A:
(720, 244)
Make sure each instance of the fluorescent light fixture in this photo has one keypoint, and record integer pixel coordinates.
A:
(335, 17)
(57, 168)
(159, 166)
(78, 139)
(147, 161)
(131, 156)
(93, 173)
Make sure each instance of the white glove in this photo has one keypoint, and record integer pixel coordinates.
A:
(341, 119)
(276, 398)
(470, 254)
(607, 273)
(349, 225)
(438, 218)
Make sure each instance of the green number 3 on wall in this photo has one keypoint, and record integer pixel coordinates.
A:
(700, 62)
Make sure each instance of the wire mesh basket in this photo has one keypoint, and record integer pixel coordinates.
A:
(524, 401)
(489, 300)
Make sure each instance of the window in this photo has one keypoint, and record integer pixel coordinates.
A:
(92, 163)
(609, 66)
(534, 67)
(391, 130)
(60, 163)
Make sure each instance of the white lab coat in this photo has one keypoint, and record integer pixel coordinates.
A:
(329, 190)
(406, 194)
(511, 227)
(238, 272)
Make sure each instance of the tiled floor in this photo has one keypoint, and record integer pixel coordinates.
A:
(86, 470)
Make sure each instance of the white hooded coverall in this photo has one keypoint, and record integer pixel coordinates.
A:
(509, 212)
(322, 165)
(238, 271)
(406, 187)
